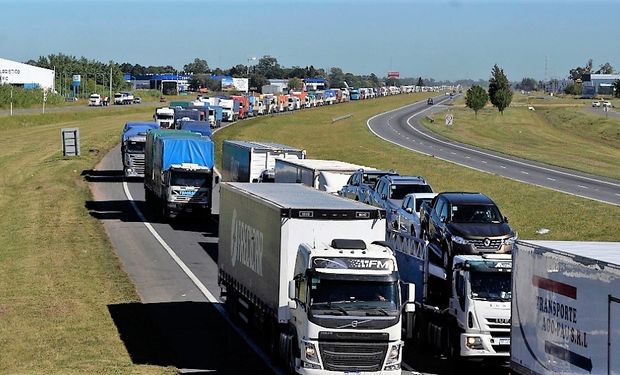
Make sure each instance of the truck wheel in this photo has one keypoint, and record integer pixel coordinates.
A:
(291, 360)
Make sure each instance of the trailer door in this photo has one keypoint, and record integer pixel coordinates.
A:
(613, 348)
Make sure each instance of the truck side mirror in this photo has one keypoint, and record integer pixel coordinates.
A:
(409, 303)
(383, 196)
(291, 289)
(409, 210)
(505, 219)
(442, 219)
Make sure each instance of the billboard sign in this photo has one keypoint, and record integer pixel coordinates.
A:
(393, 74)
(76, 80)
(235, 84)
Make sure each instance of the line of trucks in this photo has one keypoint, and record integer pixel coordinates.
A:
(332, 293)
(338, 286)
(238, 107)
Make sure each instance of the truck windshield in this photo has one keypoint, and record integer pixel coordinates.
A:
(189, 179)
(475, 213)
(135, 147)
(165, 117)
(494, 286)
(353, 295)
(399, 191)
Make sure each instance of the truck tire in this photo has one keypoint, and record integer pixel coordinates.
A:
(287, 352)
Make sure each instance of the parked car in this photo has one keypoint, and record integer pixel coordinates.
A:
(408, 216)
(361, 183)
(596, 103)
(137, 100)
(390, 191)
(429, 101)
(607, 104)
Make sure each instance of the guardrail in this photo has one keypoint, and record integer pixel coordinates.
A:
(344, 117)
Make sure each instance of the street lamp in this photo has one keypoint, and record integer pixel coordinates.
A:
(250, 59)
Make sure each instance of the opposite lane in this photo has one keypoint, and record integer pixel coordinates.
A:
(402, 127)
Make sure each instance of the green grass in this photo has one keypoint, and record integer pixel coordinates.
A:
(58, 272)
(529, 208)
(557, 135)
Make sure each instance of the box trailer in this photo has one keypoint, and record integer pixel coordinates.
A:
(565, 308)
(302, 268)
(249, 161)
(326, 175)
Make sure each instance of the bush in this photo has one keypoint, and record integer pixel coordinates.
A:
(25, 98)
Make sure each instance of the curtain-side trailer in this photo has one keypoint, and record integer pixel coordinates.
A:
(566, 308)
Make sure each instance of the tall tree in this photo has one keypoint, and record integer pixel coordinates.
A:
(605, 69)
(476, 98)
(528, 84)
(268, 66)
(420, 82)
(295, 84)
(198, 66)
(577, 72)
(500, 92)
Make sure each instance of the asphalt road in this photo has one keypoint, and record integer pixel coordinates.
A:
(402, 127)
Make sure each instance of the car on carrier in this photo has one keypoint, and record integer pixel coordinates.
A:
(390, 191)
(465, 223)
(361, 183)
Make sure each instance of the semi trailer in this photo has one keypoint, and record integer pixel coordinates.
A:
(179, 178)
(248, 161)
(326, 175)
(566, 308)
(302, 268)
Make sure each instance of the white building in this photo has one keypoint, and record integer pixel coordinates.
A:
(24, 75)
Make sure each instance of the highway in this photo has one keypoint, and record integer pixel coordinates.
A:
(402, 127)
(181, 321)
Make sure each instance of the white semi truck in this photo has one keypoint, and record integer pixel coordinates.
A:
(326, 175)
(249, 161)
(463, 312)
(300, 267)
(566, 308)
(164, 117)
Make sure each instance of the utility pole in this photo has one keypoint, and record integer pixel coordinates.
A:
(11, 100)
(110, 97)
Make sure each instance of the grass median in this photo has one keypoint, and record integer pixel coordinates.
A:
(529, 208)
(58, 272)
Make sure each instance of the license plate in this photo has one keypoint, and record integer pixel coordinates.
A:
(505, 341)
(187, 193)
(351, 373)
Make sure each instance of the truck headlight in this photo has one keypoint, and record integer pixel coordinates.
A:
(393, 355)
(459, 240)
(310, 352)
(474, 342)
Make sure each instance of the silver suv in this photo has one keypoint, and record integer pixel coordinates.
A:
(390, 191)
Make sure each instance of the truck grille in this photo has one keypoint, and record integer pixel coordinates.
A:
(493, 244)
(496, 323)
(352, 356)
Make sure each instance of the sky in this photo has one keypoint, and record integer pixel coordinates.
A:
(440, 39)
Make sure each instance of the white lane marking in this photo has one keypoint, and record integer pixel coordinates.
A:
(551, 179)
(483, 161)
(617, 194)
(468, 157)
(524, 172)
(502, 166)
(581, 186)
(506, 159)
(453, 153)
(201, 287)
